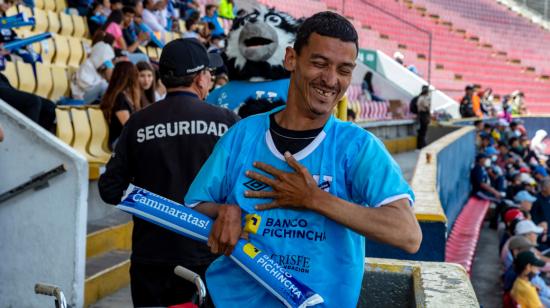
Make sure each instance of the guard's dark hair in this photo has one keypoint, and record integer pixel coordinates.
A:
(171, 81)
(326, 24)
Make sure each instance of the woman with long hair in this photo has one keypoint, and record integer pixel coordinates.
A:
(113, 26)
(121, 99)
(147, 83)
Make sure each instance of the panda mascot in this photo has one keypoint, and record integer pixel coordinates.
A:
(256, 47)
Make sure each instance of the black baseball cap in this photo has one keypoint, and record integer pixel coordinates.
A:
(528, 257)
(188, 56)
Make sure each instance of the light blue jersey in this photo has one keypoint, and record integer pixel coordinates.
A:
(346, 160)
(233, 94)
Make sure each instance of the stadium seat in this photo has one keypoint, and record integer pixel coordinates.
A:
(44, 82)
(53, 20)
(83, 134)
(49, 5)
(60, 5)
(64, 130)
(79, 26)
(27, 82)
(62, 51)
(39, 4)
(41, 19)
(11, 73)
(60, 83)
(47, 50)
(100, 133)
(67, 27)
(152, 52)
(12, 11)
(77, 52)
(462, 241)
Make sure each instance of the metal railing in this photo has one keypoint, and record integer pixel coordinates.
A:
(38, 181)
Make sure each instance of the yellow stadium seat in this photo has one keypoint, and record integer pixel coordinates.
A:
(41, 19)
(158, 52)
(62, 51)
(26, 10)
(27, 83)
(11, 73)
(47, 50)
(182, 26)
(60, 83)
(49, 5)
(39, 4)
(12, 11)
(44, 82)
(142, 49)
(152, 52)
(77, 52)
(60, 5)
(100, 133)
(53, 20)
(64, 130)
(83, 134)
(79, 26)
(176, 35)
(67, 27)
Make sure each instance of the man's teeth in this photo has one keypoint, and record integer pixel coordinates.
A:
(324, 93)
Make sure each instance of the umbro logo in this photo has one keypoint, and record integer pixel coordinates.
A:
(255, 185)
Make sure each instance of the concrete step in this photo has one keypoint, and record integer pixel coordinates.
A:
(105, 274)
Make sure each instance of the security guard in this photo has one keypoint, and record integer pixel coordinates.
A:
(161, 149)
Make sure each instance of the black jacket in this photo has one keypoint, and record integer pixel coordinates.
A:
(161, 149)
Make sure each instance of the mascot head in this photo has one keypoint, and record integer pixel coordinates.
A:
(256, 45)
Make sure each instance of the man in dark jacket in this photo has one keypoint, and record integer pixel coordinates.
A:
(161, 149)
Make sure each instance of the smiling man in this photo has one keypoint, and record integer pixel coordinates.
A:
(307, 186)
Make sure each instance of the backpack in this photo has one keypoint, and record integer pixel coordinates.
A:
(413, 106)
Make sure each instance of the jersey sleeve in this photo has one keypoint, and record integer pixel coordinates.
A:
(213, 182)
(375, 178)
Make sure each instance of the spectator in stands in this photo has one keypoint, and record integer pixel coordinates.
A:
(351, 115)
(538, 145)
(368, 89)
(525, 200)
(466, 104)
(540, 211)
(160, 90)
(114, 25)
(524, 292)
(188, 7)
(424, 105)
(133, 37)
(116, 5)
(518, 103)
(476, 101)
(173, 157)
(516, 245)
(95, 17)
(487, 106)
(227, 9)
(481, 186)
(91, 79)
(211, 16)
(151, 16)
(121, 99)
(220, 80)
(147, 84)
(503, 128)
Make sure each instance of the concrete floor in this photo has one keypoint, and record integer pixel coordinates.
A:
(486, 270)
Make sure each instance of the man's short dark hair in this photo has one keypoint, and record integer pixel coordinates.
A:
(171, 81)
(326, 24)
(128, 10)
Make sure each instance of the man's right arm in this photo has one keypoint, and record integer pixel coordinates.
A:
(116, 178)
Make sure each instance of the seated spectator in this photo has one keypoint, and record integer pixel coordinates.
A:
(227, 9)
(95, 17)
(480, 180)
(90, 81)
(517, 244)
(524, 292)
(152, 18)
(211, 16)
(132, 35)
(147, 84)
(525, 200)
(368, 89)
(188, 7)
(540, 173)
(540, 210)
(121, 99)
(113, 26)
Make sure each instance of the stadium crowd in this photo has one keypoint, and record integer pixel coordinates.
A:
(116, 73)
(511, 171)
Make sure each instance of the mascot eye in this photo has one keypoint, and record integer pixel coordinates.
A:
(274, 20)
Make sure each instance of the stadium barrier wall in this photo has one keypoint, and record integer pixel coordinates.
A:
(42, 232)
(442, 186)
(398, 283)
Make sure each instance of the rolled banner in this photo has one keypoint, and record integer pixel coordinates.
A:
(190, 223)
